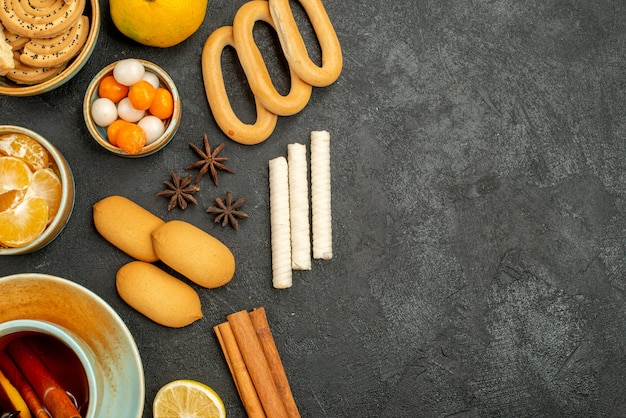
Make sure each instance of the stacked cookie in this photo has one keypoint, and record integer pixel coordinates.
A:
(39, 37)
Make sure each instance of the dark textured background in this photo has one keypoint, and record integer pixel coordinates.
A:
(478, 162)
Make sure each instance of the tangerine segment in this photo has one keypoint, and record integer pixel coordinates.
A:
(24, 147)
(163, 104)
(24, 223)
(10, 199)
(15, 174)
(46, 184)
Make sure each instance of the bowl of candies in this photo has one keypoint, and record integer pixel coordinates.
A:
(44, 44)
(36, 191)
(132, 108)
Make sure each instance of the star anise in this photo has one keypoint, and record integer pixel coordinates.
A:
(226, 210)
(209, 162)
(180, 191)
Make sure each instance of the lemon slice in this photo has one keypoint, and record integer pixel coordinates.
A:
(8, 391)
(187, 399)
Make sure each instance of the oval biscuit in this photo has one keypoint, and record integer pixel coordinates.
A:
(194, 253)
(158, 295)
(127, 225)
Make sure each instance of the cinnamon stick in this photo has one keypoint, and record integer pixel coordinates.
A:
(47, 388)
(257, 365)
(238, 370)
(264, 334)
(18, 380)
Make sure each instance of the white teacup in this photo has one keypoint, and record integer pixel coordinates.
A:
(72, 341)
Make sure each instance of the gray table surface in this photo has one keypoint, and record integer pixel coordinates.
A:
(479, 211)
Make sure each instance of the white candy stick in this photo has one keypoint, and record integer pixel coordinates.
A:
(320, 195)
(279, 223)
(299, 207)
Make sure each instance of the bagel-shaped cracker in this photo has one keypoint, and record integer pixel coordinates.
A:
(294, 47)
(254, 66)
(217, 97)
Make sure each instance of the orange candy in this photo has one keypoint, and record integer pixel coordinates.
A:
(131, 138)
(113, 129)
(141, 95)
(111, 89)
(163, 104)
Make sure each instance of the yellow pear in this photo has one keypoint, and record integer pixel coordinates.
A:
(159, 23)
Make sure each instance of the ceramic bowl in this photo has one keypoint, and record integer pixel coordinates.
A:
(62, 168)
(99, 133)
(73, 309)
(10, 88)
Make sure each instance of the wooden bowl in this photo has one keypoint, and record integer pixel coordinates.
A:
(10, 88)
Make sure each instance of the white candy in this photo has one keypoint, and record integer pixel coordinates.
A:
(299, 207)
(127, 112)
(152, 78)
(153, 127)
(128, 71)
(279, 223)
(320, 195)
(103, 111)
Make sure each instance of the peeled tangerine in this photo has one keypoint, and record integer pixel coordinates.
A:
(158, 295)
(126, 225)
(194, 253)
(23, 223)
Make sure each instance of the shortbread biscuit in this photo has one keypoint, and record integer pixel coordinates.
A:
(52, 52)
(25, 74)
(6, 53)
(16, 41)
(50, 19)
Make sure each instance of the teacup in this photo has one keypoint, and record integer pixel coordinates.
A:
(65, 349)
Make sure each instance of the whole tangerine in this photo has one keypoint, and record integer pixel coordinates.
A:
(177, 20)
